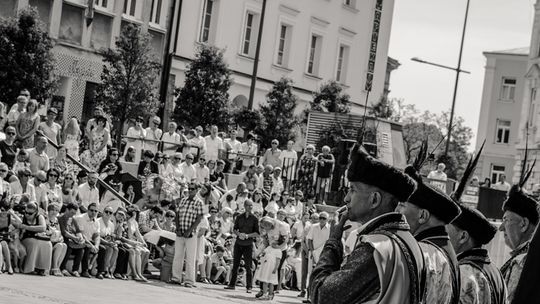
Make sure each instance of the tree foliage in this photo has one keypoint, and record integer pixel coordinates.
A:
(130, 71)
(330, 98)
(248, 119)
(420, 125)
(204, 98)
(26, 59)
(279, 114)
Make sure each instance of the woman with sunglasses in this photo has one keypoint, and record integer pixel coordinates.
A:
(6, 177)
(139, 256)
(112, 166)
(108, 250)
(69, 189)
(36, 241)
(54, 190)
(168, 222)
(259, 203)
(8, 150)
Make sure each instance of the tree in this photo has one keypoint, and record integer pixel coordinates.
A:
(129, 75)
(26, 59)
(248, 119)
(420, 125)
(279, 114)
(204, 98)
(330, 98)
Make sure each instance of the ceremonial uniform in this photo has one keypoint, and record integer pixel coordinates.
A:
(382, 268)
(386, 262)
(481, 281)
(511, 269)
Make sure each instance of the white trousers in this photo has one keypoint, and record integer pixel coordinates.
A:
(185, 250)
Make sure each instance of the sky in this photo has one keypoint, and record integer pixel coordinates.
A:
(431, 30)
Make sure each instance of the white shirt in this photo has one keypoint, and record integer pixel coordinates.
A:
(203, 173)
(236, 146)
(503, 186)
(277, 187)
(213, 145)
(198, 142)
(87, 195)
(16, 188)
(105, 230)
(437, 175)
(13, 115)
(89, 227)
(188, 171)
(174, 171)
(319, 235)
(170, 149)
(251, 150)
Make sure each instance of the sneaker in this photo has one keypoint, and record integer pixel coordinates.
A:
(189, 285)
(76, 274)
(248, 290)
(259, 294)
(228, 287)
(118, 276)
(100, 276)
(66, 273)
(86, 274)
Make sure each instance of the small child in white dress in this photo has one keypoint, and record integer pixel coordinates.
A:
(267, 273)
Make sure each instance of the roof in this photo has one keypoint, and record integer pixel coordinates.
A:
(517, 51)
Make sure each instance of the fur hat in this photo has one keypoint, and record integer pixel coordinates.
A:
(370, 171)
(432, 199)
(476, 224)
(522, 204)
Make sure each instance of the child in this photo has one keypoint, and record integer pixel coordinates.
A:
(267, 273)
(164, 262)
(22, 161)
(220, 269)
(7, 217)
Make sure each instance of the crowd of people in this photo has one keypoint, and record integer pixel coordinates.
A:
(177, 214)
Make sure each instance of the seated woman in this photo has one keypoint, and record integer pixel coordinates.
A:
(147, 166)
(108, 249)
(125, 249)
(69, 189)
(54, 190)
(57, 240)
(129, 156)
(7, 219)
(110, 200)
(111, 166)
(139, 256)
(36, 241)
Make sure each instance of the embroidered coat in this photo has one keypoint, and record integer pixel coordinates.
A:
(383, 268)
(481, 281)
(511, 270)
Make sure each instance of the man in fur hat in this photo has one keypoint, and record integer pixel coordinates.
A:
(386, 263)
(519, 222)
(428, 210)
(481, 281)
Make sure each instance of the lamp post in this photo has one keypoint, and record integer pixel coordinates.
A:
(458, 71)
(256, 59)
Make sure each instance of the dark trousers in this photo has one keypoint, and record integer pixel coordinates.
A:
(101, 259)
(247, 253)
(87, 257)
(305, 263)
(283, 258)
(122, 261)
(78, 255)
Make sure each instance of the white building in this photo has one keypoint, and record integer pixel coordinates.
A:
(309, 41)
(500, 112)
(80, 28)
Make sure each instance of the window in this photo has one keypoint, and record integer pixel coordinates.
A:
(103, 3)
(342, 63)
(496, 172)
(508, 89)
(71, 24)
(156, 11)
(248, 34)
(206, 24)
(503, 131)
(314, 54)
(133, 8)
(283, 45)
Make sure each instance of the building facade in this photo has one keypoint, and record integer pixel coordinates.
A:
(80, 28)
(500, 112)
(309, 41)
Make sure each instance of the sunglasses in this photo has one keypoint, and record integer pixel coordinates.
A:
(169, 216)
(68, 178)
(53, 175)
(322, 218)
(107, 212)
(3, 170)
(114, 154)
(11, 134)
(92, 210)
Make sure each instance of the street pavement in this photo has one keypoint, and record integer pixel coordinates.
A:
(30, 289)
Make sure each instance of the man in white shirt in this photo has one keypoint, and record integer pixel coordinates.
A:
(88, 192)
(317, 237)
(37, 157)
(171, 140)
(90, 230)
(235, 144)
(188, 169)
(41, 192)
(213, 144)
(439, 173)
(502, 185)
(153, 133)
(249, 152)
(277, 186)
(202, 171)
